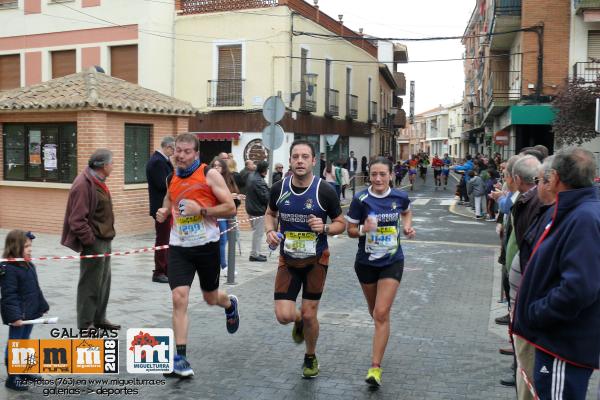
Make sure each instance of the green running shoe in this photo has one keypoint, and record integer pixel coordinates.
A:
(311, 367)
(374, 377)
(298, 332)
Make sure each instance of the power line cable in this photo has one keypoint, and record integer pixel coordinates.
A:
(396, 39)
(411, 61)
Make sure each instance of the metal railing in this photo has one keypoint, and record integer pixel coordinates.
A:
(308, 97)
(507, 7)
(226, 93)
(332, 102)
(351, 106)
(504, 85)
(588, 72)
(373, 112)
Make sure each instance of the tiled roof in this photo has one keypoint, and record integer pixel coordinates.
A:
(92, 90)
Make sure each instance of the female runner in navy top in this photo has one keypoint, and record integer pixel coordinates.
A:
(377, 217)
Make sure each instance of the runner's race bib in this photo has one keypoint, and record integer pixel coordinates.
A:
(446, 168)
(190, 228)
(300, 244)
(437, 168)
(382, 242)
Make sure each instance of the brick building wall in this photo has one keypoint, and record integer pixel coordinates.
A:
(556, 16)
(41, 206)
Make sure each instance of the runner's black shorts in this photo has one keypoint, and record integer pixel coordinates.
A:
(307, 274)
(437, 172)
(185, 262)
(368, 274)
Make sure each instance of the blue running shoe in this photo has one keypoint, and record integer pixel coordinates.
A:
(182, 367)
(233, 318)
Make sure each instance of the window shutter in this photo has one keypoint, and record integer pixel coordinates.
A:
(10, 71)
(230, 62)
(594, 44)
(124, 63)
(229, 85)
(63, 63)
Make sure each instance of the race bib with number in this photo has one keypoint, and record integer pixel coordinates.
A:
(190, 228)
(382, 242)
(300, 244)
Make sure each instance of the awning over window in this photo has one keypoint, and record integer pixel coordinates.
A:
(217, 136)
(532, 115)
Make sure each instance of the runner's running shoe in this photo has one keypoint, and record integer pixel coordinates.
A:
(298, 332)
(374, 377)
(181, 367)
(311, 367)
(233, 318)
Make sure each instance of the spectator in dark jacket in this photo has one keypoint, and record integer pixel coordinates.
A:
(158, 168)
(89, 228)
(21, 296)
(242, 178)
(558, 302)
(257, 199)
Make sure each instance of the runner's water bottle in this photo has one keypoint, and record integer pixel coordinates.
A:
(274, 247)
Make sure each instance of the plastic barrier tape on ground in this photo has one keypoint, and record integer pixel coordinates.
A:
(529, 384)
(118, 253)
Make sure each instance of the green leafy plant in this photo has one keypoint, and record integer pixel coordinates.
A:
(576, 105)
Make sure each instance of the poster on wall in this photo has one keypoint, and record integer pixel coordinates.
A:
(50, 159)
(35, 139)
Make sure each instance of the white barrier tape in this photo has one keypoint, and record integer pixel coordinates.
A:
(118, 253)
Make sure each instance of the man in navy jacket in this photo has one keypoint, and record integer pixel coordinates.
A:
(159, 167)
(558, 303)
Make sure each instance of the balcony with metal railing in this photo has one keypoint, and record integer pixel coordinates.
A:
(507, 7)
(507, 17)
(332, 102)
(400, 83)
(584, 5)
(586, 72)
(226, 93)
(351, 106)
(503, 90)
(308, 96)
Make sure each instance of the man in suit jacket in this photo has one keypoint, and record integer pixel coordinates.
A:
(159, 167)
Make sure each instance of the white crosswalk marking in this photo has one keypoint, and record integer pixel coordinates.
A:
(465, 222)
(420, 202)
(443, 201)
(448, 202)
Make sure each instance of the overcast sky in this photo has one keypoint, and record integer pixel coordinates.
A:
(437, 82)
